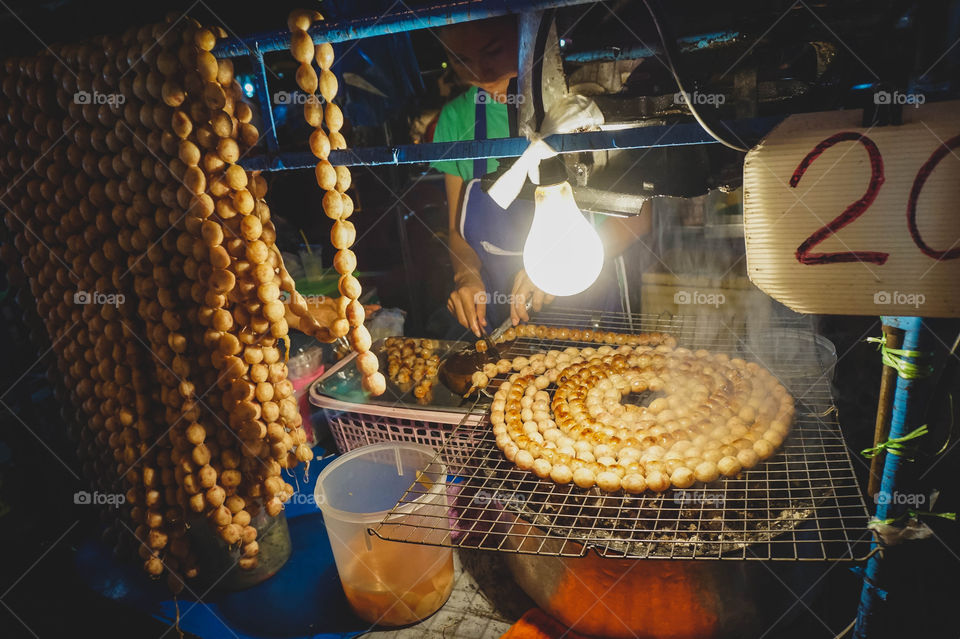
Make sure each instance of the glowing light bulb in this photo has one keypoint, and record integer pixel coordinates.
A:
(563, 254)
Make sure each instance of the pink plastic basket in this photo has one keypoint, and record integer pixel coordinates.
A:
(353, 425)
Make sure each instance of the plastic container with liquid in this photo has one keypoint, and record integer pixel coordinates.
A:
(219, 562)
(389, 583)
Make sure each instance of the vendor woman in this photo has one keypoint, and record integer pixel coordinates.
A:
(486, 241)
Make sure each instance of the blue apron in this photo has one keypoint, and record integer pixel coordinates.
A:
(497, 236)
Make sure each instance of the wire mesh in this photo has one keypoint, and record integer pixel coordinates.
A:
(803, 503)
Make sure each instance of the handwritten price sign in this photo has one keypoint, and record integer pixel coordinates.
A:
(857, 221)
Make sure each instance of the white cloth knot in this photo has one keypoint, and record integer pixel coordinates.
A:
(569, 114)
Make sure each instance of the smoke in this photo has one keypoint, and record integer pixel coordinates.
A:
(701, 275)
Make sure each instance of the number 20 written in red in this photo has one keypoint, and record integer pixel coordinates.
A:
(804, 253)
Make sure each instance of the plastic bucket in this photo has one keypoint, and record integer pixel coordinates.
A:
(390, 583)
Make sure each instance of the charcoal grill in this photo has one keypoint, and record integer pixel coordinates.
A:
(803, 505)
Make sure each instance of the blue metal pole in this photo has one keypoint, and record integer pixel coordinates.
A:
(687, 43)
(908, 405)
(635, 138)
(263, 96)
(396, 22)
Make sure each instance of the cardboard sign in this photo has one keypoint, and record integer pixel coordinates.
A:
(857, 221)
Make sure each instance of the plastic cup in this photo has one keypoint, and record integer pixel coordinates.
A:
(390, 583)
(310, 258)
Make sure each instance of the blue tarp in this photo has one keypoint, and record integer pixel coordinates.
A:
(303, 600)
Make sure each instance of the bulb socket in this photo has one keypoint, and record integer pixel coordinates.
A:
(552, 171)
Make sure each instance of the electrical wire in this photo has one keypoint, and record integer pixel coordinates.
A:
(843, 633)
(670, 52)
(624, 288)
(536, 72)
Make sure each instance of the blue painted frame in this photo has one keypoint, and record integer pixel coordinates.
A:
(453, 12)
(641, 137)
(908, 405)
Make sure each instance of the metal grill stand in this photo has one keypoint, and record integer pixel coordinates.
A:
(802, 504)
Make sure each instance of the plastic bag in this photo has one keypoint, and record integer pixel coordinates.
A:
(387, 322)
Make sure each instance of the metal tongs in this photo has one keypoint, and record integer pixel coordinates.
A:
(491, 347)
(500, 330)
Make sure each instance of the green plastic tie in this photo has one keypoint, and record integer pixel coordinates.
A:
(896, 445)
(915, 514)
(894, 358)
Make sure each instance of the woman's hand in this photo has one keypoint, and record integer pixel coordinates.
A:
(523, 290)
(468, 303)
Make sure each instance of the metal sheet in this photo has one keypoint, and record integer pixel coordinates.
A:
(851, 220)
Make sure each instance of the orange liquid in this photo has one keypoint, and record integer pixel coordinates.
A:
(390, 587)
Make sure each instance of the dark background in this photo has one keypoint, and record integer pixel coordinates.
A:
(40, 590)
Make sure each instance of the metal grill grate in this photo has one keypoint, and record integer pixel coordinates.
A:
(801, 504)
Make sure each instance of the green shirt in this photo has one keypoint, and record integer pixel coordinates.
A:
(456, 123)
